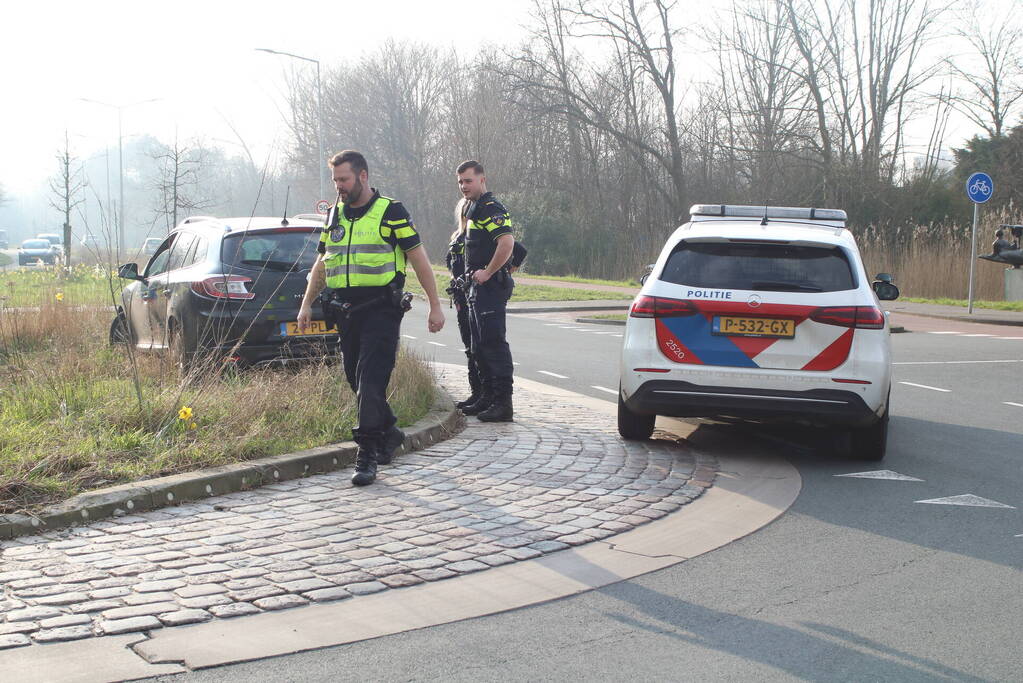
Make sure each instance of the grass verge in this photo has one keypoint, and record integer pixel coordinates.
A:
(528, 292)
(70, 419)
(994, 305)
(80, 286)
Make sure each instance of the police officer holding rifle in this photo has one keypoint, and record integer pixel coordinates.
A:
(364, 249)
(457, 292)
(488, 248)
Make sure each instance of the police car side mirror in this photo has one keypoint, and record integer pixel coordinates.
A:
(646, 273)
(886, 291)
(884, 277)
(129, 271)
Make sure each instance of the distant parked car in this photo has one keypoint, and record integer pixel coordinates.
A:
(150, 246)
(36, 250)
(225, 288)
(54, 239)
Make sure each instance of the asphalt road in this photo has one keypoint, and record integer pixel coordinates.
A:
(859, 580)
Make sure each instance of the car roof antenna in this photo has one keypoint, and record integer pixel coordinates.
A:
(287, 195)
(763, 221)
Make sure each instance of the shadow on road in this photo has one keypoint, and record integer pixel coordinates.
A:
(805, 655)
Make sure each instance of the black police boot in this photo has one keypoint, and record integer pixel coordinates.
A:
(392, 441)
(475, 385)
(500, 410)
(481, 404)
(365, 459)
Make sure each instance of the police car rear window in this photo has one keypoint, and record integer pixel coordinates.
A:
(283, 250)
(759, 267)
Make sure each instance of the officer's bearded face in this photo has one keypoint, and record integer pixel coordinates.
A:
(348, 184)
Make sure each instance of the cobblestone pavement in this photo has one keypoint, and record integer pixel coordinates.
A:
(557, 477)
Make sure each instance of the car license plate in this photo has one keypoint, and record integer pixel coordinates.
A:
(315, 327)
(734, 326)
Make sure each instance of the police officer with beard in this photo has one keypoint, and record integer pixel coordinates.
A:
(364, 249)
(488, 247)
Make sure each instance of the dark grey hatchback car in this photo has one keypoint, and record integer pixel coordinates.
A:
(225, 289)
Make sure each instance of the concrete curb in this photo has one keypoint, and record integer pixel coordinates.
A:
(570, 306)
(600, 321)
(440, 422)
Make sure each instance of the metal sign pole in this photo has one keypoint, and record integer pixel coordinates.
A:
(973, 254)
(979, 188)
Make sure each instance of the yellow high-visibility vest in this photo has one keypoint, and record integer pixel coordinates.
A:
(358, 253)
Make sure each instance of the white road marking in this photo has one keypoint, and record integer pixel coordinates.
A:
(552, 324)
(924, 386)
(1008, 337)
(967, 499)
(978, 335)
(436, 343)
(408, 336)
(605, 389)
(552, 374)
(568, 327)
(618, 335)
(943, 332)
(880, 474)
(953, 362)
(1010, 403)
(515, 362)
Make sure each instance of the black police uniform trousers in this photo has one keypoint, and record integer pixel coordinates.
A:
(465, 332)
(487, 326)
(369, 347)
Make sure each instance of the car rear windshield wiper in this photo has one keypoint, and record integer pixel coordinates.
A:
(777, 286)
(272, 265)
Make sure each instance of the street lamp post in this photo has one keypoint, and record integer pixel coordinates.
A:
(120, 164)
(321, 163)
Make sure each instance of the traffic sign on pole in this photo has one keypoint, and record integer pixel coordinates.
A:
(979, 188)
(323, 207)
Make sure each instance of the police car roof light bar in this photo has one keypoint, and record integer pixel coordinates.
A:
(743, 211)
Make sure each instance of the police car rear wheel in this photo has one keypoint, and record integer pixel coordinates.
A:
(871, 443)
(633, 426)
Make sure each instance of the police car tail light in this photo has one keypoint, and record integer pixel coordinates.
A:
(661, 307)
(859, 317)
(224, 287)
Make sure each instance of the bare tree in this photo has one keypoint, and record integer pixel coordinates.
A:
(633, 97)
(768, 110)
(178, 180)
(861, 63)
(67, 186)
(994, 88)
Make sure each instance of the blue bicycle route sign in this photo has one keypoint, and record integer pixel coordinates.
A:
(979, 187)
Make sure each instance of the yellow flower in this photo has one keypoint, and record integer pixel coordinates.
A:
(192, 426)
(60, 296)
(185, 413)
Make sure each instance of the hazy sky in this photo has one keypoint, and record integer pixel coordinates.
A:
(197, 59)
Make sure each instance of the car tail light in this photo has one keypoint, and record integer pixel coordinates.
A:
(224, 287)
(661, 307)
(859, 317)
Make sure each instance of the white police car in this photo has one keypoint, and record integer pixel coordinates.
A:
(760, 312)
